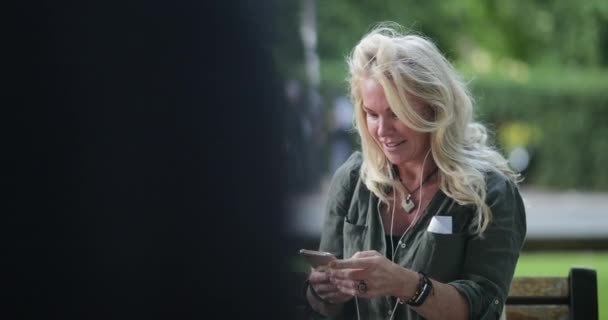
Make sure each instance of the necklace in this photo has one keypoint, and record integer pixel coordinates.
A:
(407, 203)
(412, 206)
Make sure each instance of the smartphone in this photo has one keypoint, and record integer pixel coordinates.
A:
(317, 258)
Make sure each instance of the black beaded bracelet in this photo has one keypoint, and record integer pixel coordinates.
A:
(314, 293)
(425, 286)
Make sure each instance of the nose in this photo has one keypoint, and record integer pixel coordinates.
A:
(385, 126)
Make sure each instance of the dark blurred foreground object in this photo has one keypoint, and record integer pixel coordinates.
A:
(145, 169)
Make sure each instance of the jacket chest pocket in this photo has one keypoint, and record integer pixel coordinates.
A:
(445, 256)
(354, 238)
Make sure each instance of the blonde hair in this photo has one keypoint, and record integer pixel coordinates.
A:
(412, 65)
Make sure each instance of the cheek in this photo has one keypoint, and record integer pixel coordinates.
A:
(371, 128)
(405, 131)
(413, 135)
(422, 139)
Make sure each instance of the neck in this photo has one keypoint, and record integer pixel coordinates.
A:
(410, 172)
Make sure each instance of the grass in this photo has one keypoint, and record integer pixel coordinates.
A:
(559, 263)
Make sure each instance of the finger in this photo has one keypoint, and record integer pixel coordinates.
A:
(338, 297)
(348, 290)
(368, 253)
(325, 288)
(349, 274)
(345, 283)
(318, 277)
(353, 288)
(331, 293)
(352, 263)
(322, 268)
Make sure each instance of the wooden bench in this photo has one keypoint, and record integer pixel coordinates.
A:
(559, 298)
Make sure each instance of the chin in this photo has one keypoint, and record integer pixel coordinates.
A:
(395, 159)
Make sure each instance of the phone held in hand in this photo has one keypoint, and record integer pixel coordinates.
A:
(317, 258)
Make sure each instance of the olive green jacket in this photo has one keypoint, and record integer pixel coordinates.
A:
(481, 269)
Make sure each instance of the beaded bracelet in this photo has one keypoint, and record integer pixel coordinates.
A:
(424, 289)
(425, 286)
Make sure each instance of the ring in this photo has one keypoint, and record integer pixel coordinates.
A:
(362, 286)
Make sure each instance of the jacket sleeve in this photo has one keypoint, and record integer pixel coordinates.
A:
(338, 201)
(340, 194)
(490, 260)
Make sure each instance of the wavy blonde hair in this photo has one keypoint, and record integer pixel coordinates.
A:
(407, 64)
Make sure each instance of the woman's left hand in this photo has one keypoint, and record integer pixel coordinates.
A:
(370, 274)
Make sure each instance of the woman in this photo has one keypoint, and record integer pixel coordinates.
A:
(427, 219)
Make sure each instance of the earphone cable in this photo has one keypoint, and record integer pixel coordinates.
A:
(394, 251)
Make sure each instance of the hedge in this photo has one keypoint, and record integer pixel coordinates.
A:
(571, 147)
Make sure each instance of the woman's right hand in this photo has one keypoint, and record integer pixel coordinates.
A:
(320, 283)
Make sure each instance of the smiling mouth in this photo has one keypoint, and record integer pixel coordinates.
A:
(392, 145)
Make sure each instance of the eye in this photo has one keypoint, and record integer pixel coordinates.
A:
(394, 116)
(371, 115)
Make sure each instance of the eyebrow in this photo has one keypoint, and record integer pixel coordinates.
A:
(366, 109)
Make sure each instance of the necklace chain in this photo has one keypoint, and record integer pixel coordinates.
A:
(415, 220)
(421, 184)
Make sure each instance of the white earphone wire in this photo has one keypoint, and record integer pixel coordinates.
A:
(393, 249)
(415, 215)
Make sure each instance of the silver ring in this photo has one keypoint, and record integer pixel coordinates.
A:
(362, 286)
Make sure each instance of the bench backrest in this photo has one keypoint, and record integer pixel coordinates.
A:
(560, 298)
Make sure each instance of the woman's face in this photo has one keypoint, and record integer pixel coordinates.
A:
(399, 143)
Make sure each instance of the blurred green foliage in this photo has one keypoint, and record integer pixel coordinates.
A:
(538, 70)
(535, 31)
(566, 112)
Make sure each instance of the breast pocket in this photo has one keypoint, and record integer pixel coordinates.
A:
(354, 238)
(446, 255)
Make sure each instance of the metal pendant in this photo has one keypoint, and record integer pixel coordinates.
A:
(407, 204)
